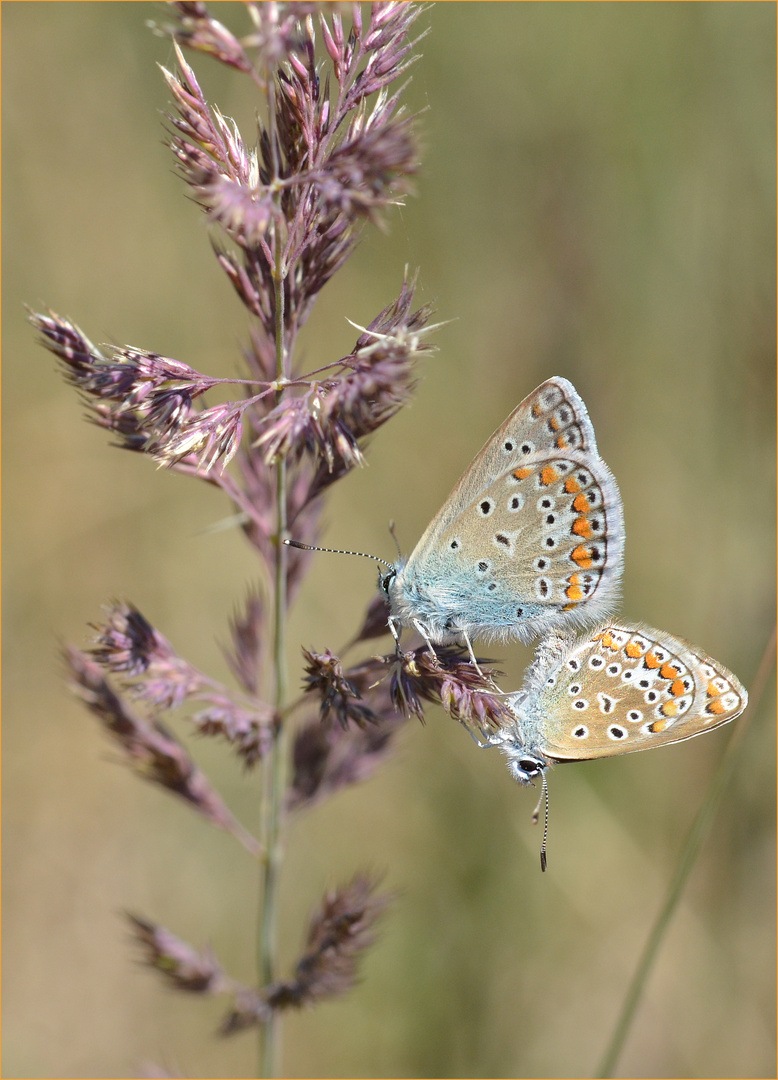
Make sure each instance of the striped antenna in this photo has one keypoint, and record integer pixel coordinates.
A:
(337, 551)
(536, 815)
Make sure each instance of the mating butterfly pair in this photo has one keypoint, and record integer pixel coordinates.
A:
(530, 543)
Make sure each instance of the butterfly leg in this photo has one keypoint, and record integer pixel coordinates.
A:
(473, 660)
(420, 627)
(474, 737)
(392, 623)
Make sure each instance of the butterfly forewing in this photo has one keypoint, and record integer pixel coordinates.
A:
(546, 535)
(552, 418)
(628, 688)
(531, 537)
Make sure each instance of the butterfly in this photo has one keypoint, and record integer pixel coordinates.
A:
(530, 540)
(619, 689)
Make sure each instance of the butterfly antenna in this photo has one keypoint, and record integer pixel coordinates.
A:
(393, 535)
(336, 551)
(536, 815)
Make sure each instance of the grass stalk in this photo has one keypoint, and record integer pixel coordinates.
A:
(274, 775)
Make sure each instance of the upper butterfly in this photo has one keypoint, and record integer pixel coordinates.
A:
(530, 540)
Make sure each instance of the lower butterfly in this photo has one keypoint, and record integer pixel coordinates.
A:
(619, 689)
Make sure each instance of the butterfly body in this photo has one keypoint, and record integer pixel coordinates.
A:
(530, 539)
(620, 689)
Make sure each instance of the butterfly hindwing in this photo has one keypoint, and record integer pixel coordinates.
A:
(626, 688)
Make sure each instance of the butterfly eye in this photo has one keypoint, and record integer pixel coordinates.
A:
(531, 766)
(387, 579)
(525, 768)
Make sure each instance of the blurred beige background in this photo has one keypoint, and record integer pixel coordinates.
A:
(597, 202)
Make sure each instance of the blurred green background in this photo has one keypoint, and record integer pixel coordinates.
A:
(597, 202)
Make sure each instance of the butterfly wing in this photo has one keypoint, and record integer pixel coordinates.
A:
(532, 535)
(552, 418)
(627, 688)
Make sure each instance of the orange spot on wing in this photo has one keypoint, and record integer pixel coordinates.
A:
(668, 671)
(561, 442)
(658, 726)
(572, 485)
(574, 590)
(716, 707)
(580, 504)
(548, 475)
(536, 409)
(677, 688)
(632, 650)
(670, 708)
(582, 557)
(651, 661)
(713, 691)
(608, 642)
(581, 527)
(553, 424)
(523, 473)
